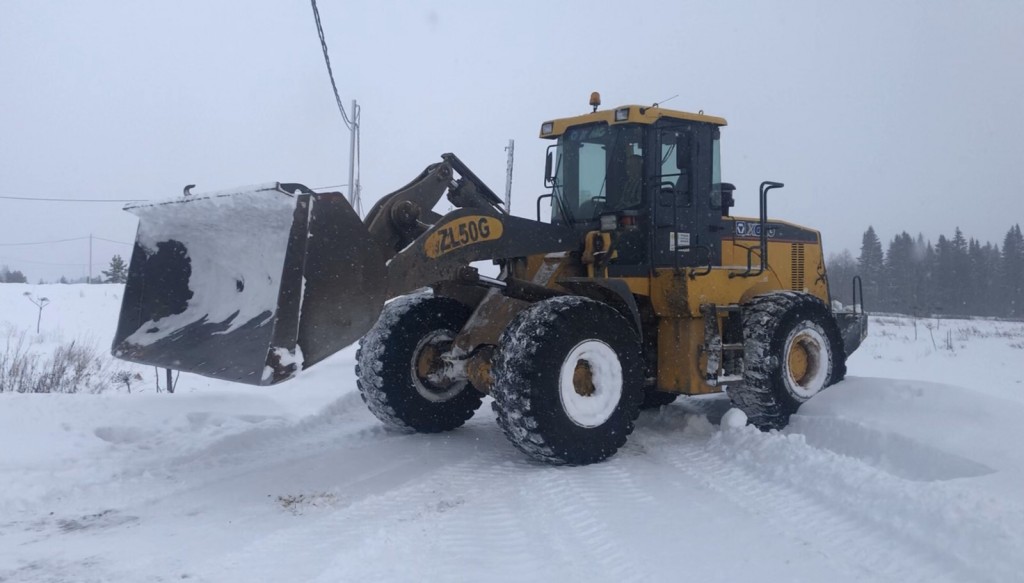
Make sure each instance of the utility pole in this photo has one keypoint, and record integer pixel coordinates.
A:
(511, 149)
(90, 259)
(353, 191)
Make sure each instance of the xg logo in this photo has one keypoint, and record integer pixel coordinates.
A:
(745, 229)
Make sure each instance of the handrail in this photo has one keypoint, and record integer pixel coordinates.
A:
(675, 229)
(763, 232)
(750, 264)
(710, 266)
(539, 198)
(765, 187)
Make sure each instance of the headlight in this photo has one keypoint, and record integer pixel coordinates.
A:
(547, 127)
(622, 114)
(609, 222)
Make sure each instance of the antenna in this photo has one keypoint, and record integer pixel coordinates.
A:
(643, 110)
(658, 103)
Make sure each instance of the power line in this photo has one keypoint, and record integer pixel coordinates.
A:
(46, 199)
(351, 124)
(327, 60)
(15, 259)
(111, 241)
(62, 241)
(43, 242)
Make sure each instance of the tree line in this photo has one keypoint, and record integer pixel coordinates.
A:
(957, 276)
(116, 272)
(8, 276)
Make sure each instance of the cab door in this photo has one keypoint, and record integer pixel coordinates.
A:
(687, 231)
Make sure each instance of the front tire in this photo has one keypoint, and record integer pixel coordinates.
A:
(568, 380)
(792, 351)
(396, 361)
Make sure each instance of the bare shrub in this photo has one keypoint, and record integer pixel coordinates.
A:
(966, 333)
(18, 364)
(72, 368)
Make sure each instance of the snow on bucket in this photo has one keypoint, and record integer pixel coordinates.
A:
(248, 285)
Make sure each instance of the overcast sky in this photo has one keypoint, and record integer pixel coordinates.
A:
(902, 115)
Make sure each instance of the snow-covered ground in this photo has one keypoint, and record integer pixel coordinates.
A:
(910, 470)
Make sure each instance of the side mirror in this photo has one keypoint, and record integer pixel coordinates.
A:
(682, 151)
(549, 162)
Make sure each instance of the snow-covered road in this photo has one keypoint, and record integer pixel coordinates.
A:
(888, 476)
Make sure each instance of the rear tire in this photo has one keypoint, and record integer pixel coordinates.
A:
(398, 349)
(568, 376)
(792, 351)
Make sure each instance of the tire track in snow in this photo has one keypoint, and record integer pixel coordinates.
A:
(489, 527)
(499, 527)
(377, 536)
(469, 507)
(487, 515)
(344, 424)
(388, 478)
(537, 522)
(829, 520)
(581, 509)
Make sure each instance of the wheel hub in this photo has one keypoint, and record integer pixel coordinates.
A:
(807, 362)
(590, 383)
(428, 362)
(430, 374)
(798, 361)
(583, 379)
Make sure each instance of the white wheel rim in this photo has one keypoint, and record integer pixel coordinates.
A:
(431, 393)
(804, 382)
(605, 371)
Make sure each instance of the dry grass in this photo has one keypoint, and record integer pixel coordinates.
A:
(947, 334)
(72, 367)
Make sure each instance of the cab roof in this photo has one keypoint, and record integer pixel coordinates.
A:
(643, 114)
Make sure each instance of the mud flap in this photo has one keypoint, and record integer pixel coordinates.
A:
(853, 327)
(248, 285)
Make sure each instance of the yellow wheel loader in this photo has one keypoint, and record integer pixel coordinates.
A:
(639, 288)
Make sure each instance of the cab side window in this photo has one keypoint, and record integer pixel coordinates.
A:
(626, 170)
(675, 150)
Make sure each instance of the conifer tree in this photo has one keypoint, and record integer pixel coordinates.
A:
(942, 275)
(871, 264)
(118, 271)
(900, 271)
(1012, 272)
(960, 285)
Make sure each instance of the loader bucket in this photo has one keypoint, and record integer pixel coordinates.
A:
(249, 285)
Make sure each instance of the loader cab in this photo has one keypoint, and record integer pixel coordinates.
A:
(651, 176)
